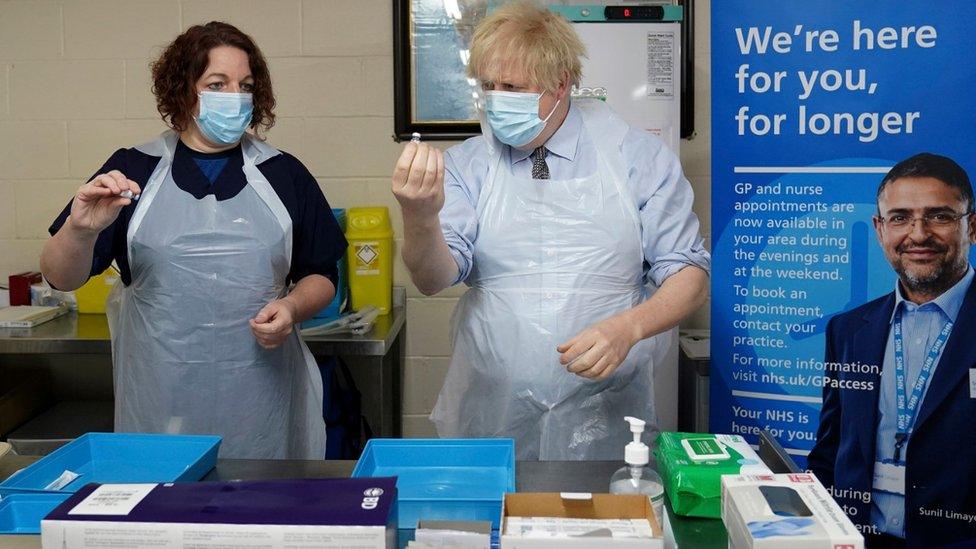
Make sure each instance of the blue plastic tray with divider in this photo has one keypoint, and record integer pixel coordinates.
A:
(117, 458)
(443, 479)
(22, 513)
(30, 494)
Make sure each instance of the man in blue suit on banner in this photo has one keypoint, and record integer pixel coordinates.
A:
(897, 439)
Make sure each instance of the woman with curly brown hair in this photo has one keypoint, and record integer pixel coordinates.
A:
(223, 244)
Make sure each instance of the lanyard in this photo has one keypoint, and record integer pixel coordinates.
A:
(908, 406)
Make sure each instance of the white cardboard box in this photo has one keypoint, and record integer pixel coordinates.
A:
(579, 506)
(792, 511)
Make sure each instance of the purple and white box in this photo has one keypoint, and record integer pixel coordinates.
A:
(355, 513)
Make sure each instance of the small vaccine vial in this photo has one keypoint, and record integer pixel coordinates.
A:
(415, 137)
(128, 194)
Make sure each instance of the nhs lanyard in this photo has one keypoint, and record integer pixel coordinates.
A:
(908, 406)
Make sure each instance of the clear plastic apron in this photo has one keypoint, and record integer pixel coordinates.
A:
(552, 257)
(185, 360)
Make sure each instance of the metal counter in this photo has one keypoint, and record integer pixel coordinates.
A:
(376, 358)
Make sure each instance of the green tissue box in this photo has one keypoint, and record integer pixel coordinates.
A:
(692, 465)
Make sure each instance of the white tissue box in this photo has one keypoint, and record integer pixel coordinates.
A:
(791, 510)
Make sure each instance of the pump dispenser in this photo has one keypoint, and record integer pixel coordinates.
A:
(637, 477)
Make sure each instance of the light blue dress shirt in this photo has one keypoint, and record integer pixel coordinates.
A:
(921, 325)
(662, 196)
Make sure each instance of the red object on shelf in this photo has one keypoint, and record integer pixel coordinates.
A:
(20, 285)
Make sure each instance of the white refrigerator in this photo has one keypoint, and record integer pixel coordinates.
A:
(637, 66)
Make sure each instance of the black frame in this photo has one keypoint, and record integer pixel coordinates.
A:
(687, 129)
(404, 126)
(403, 123)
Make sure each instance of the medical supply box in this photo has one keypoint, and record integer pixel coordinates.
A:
(279, 514)
(370, 258)
(590, 509)
(692, 465)
(791, 511)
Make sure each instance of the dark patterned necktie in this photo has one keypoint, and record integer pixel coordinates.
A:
(539, 168)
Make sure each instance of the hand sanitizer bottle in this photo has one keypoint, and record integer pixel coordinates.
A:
(637, 477)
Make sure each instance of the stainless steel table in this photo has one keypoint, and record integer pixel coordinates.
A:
(377, 358)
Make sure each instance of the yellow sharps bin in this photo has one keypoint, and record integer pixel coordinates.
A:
(370, 258)
(92, 296)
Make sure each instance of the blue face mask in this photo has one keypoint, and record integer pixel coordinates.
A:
(224, 116)
(514, 116)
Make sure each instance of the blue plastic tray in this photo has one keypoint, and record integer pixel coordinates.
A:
(119, 458)
(22, 513)
(443, 479)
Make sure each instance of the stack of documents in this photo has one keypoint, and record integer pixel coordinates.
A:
(27, 316)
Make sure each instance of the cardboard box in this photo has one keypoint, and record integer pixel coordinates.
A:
(791, 511)
(297, 514)
(579, 506)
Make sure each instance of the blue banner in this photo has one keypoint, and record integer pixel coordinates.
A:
(812, 103)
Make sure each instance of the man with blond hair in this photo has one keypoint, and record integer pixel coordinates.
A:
(559, 218)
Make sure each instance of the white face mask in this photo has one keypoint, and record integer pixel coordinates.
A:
(514, 116)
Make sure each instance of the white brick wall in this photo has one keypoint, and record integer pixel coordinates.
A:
(74, 87)
(30, 30)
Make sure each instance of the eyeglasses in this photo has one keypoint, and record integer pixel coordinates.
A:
(936, 220)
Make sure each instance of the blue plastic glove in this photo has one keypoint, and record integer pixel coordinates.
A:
(786, 527)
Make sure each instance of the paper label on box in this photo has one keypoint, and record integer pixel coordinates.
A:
(704, 449)
(112, 499)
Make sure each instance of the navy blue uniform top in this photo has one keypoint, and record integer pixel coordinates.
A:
(317, 240)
